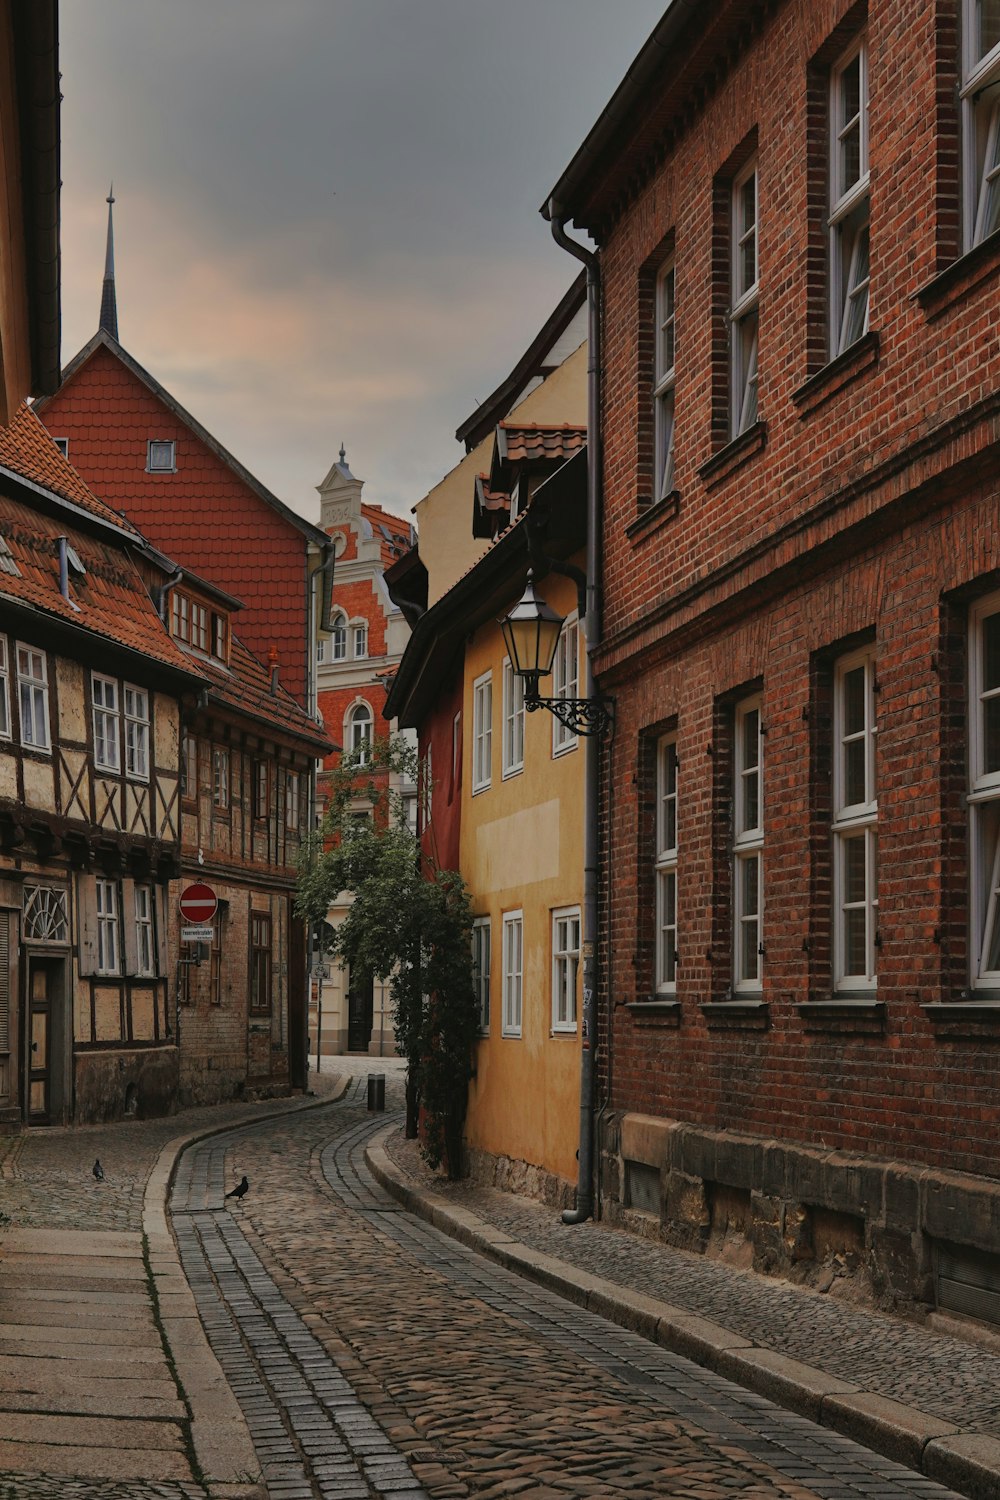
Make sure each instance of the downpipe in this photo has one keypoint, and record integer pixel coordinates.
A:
(592, 743)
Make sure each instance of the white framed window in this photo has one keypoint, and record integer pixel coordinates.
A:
(220, 636)
(513, 721)
(565, 966)
(360, 635)
(108, 944)
(745, 300)
(855, 823)
(481, 957)
(984, 791)
(321, 648)
(513, 971)
(220, 778)
(45, 914)
(566, 681)
(293, 802)
(456, 752)
(666, 866)
(107, 723)
(63, 445)
(199, 626)
(981, 119)
(426, 774)
(748, 847)
(5, 729)
(33, 697)
(136, 732)
(180, 625)
(482, 732)
(850, 201)
(359, 732)
(189, 767)
(338, 639)
(145, 947)
(664, 381)
(160, 456)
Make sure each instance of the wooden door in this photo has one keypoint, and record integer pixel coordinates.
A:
(38, 1036)
(360, 1012)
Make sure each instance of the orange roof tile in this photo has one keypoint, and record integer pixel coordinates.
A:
(111, 598)
(28, 450)
(244, 687)
(519, 444)
(393, 533)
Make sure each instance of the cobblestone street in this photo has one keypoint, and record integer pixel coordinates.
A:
(373, 1356)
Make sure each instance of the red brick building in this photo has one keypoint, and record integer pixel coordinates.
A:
(796, 208)
(355, 662)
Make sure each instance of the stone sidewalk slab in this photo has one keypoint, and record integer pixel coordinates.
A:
(968, 1461)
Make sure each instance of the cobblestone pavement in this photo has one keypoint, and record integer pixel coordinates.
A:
(373, 1356)
(943, 1376)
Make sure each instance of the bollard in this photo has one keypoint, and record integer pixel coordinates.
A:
(376, 1091)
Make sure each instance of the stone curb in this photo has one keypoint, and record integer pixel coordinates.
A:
(964, 1461)
(219, 1430)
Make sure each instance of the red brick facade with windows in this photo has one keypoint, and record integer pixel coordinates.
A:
(858, 510)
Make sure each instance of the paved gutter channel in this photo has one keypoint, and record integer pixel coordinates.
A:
(316, 1440)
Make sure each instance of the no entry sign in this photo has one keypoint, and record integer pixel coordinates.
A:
(198, 903)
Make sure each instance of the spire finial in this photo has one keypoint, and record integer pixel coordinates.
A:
(109, 302)
(343, 453)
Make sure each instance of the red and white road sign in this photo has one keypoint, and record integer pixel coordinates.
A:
(198, 903)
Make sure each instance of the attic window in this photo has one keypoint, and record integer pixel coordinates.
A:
(63, 445)
(220, 637)
(75, 565)
(7, 563)
(160, 457)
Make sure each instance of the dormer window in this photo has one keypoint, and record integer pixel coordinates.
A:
(63, 445)
(180, 624)
(220, 636)
(160, 456)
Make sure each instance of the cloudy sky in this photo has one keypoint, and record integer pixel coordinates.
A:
(327, 224)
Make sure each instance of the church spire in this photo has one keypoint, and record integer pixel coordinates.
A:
(109, 304)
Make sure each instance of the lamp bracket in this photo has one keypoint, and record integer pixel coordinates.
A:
(585, 716)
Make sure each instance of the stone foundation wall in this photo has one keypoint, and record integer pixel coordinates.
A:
(814, 1216)
(512, 1176)
(115, 1084)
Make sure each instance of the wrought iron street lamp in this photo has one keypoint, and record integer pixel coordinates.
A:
(531, 634)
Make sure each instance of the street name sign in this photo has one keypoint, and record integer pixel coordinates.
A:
(202, 934)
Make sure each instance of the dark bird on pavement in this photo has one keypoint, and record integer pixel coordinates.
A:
(98, 1170)
(240, 1190)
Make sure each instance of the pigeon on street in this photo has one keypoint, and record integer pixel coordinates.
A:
(240, 1190)
(98, 1170)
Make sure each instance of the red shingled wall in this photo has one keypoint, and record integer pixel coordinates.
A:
(203, 516)
(874, 495)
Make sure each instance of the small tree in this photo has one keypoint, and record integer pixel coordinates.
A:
(410, 923)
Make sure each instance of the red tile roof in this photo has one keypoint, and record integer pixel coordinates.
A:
(517, 444)
(244, 687)
(111, 597)
(394, 535)
(28, 450)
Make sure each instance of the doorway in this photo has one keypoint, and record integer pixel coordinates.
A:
(44, 1038)
(360, 1011)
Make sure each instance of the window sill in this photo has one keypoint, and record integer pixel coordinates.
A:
(961, 277)
(564, 1032)
(859, 1013)
(655, 1011)
(841, 371)
(652, 517)
(729, 458)
(743, 1013)
(970, 1018)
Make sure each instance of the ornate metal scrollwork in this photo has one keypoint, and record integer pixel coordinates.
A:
(586, 716)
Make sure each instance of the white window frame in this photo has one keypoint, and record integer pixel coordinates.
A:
(481, 960)
(360, 717)
(565, 967)
(321, 648)
(566, 681)
(6, 726)
(199, 626)
(665, 871)
(33, 697)
(748, 845)
(106, 705)
(220, 778)
(850, 210)
(180, 626)
(109, 952)
(980, 94)
(338, 639)
(512, 758)
(854, 822)
(161, 448)
(743, 317)
(664, 378)
(482, 732)
(513, 973)
(145, 935)
(136, 707)
(293, 801)
(984, 807)
(359, 640)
